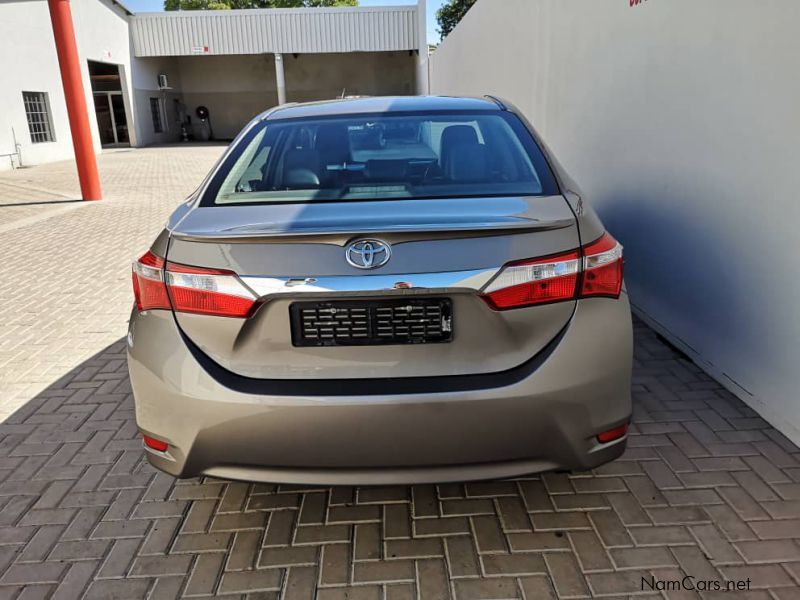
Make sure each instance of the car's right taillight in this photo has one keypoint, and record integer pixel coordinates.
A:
(602, 268)
(594, 270)
(534, 281)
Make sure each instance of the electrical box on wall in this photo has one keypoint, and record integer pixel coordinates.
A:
(163, 82)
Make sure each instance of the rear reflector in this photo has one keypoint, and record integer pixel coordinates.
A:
(155, 444)
(595, 270)
(613, 434)
(189, 289)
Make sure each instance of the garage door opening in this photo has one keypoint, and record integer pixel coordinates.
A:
(109, 104)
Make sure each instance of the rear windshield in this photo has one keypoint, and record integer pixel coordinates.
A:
(376, 157)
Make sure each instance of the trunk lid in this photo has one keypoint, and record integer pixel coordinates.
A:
(440, 249)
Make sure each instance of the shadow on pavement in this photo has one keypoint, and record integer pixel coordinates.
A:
(7, 204)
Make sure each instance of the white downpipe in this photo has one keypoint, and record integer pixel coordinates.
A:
(280, 78)
(423, 86)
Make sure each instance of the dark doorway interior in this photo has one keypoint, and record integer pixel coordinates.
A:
(109, 105)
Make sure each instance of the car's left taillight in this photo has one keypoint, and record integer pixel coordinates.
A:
(189, 289)
(205, 291)
(595, 270)
(149, 289)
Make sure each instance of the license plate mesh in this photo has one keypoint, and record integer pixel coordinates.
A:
(372, 322)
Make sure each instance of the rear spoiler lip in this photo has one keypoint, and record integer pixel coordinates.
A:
(478, 215)
(247, 233)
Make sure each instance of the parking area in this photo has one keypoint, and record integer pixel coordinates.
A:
(706, 489)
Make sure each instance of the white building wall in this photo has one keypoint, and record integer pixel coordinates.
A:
(30, 64)
(33, 68)
(681, 122)
(102, 31)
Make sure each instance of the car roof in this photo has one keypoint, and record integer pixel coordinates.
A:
(380, 104)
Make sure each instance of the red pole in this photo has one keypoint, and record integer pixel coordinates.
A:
(68, 61)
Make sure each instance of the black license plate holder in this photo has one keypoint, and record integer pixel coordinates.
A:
(377, 322)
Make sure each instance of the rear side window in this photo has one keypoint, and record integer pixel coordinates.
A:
(386, 156)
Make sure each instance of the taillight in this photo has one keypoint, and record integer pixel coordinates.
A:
(602, 268)
(189, 289)
(208, 291)
(536, 281)
(595, 270)
(148, 283)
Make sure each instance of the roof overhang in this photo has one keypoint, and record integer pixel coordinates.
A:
(127, 10)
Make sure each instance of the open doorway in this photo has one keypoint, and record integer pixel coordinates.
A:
(109, 104)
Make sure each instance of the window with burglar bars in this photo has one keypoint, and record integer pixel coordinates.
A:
(155, 110)
(37, 110)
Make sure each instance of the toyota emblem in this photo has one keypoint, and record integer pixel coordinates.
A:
(368, 254)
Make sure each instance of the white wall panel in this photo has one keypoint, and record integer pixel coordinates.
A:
(680, 120)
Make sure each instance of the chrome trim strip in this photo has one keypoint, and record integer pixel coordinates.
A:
(420, 282)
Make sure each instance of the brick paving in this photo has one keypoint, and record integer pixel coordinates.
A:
(706, 488)
(65, 267)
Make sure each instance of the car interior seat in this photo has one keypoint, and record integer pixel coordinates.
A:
(463, 157)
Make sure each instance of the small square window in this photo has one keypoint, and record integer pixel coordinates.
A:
(37, 111)
(156, 111)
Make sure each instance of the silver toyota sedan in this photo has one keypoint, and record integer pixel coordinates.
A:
(382, 290)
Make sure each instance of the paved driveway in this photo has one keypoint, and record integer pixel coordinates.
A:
(706, 489)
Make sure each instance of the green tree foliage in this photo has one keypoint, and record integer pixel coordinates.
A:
(451, 13)
(230, 4)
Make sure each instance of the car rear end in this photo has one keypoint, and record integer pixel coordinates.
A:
(381, 297)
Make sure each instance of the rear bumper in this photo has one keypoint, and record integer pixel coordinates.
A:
(544, 421)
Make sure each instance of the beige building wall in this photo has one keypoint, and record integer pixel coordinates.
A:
(145, 72)
(236, 88)
(680, 120)
(323, 76)
(233, 88)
